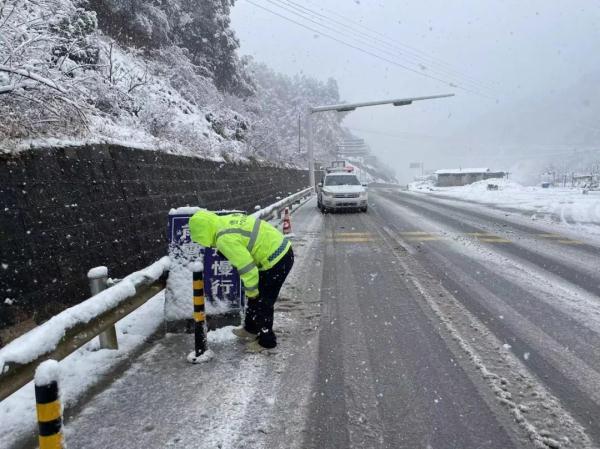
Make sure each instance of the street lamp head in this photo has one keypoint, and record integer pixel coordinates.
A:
(347, 107)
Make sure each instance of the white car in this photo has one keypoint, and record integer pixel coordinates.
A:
(341, 190)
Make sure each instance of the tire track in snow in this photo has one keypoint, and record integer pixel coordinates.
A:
(515, 388)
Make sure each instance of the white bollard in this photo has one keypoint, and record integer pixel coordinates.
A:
(98, 279)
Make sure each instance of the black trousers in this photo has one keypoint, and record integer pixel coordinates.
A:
(259, 311)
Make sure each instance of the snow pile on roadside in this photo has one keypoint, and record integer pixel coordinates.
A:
(222, 335)
(569, 206)
(426, 185)
(480, 190)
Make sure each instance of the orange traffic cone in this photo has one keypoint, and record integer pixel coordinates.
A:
(287, 224)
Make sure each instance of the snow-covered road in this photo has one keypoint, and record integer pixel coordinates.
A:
(424, 323)
(532, 287)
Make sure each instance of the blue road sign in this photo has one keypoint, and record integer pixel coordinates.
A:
(221, 280)
(178, 229)
(222, 284)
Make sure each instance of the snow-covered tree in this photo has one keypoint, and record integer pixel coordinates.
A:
(280, 109)
(167, 74)
(201, 27)
(42, 46)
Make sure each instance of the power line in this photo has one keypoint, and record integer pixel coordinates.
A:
(387, 38)
(300, 11)
(361, 42)
(362, 50)
(397, 47)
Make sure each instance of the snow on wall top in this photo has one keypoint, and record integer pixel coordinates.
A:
(191, 210)
(185, 210)
(456, 171)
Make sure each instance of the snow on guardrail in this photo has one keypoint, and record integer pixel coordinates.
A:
(45, 338)
(279, 205)
(261, 213)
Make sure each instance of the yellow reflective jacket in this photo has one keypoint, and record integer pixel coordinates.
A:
(250, 244)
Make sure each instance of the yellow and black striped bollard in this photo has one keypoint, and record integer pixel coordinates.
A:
(199, 314)
(49, 415)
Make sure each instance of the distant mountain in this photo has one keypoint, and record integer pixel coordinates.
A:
(559, 129)
(562, 117)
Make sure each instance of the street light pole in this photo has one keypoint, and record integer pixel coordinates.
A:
(310, 149)
(346, 107)
(299, 133)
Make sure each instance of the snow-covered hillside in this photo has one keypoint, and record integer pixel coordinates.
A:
(161, 76)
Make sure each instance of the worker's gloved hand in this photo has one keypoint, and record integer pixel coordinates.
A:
(252, 295)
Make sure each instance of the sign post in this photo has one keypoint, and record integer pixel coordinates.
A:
(417, 165)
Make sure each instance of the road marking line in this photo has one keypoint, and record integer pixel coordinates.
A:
(352, 234)
(493, 240)
(352, 240)
(428, 238)
(414, 233)
(561, 239)
(486, 237)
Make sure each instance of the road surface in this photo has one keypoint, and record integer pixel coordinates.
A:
(421, 324)
(521, 301)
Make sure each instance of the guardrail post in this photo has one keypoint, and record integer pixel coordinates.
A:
(199, 313)
(48, 406)
(98, 279)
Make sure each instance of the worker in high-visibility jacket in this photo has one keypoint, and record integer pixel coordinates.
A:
(262, 256)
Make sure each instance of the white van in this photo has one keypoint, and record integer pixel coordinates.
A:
(340, 190)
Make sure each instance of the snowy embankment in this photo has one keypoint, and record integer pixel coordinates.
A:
(567, 206)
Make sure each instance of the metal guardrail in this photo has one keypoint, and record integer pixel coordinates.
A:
(277, 208)
(15, 375)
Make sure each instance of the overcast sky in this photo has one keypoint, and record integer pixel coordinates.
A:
(508, 51)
